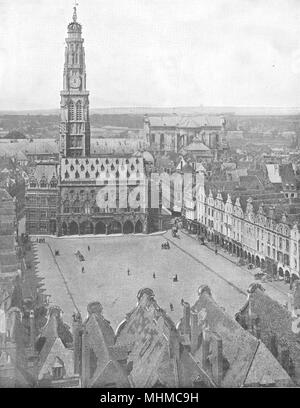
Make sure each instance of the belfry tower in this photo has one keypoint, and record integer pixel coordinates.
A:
(74, 105)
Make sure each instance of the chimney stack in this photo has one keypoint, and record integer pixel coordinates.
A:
(217, 359)
(186, 318)
(255, 325)
(296, 295)
(77, 342)
(284, 356)
(291, 307)
(32, 329)
(194, 331)
(85, 372)
(205, 350)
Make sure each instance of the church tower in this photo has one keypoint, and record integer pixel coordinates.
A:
(74, 105)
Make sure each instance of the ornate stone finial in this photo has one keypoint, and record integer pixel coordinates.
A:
(204, 289)
(75, 13)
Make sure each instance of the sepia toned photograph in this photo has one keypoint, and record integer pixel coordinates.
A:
(149, 209)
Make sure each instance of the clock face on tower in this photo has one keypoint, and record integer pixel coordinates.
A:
(75, 81)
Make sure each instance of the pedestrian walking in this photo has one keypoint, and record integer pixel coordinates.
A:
(171, 307)
(182, 302)
(216, 251)
(89, 248)
(154, 276)
(82, 269)
(128, 272)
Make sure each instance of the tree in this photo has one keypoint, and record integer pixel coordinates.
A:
(14, 134)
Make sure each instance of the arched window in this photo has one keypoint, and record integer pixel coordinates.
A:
(66, 207)
(71, 111)
(76, 207)
(43, 183)
(78, 110)
(86, 208)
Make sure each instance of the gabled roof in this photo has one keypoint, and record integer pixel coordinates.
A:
(154, 338)
(43, 170)
(197, 146)
(242, 351)
(101, 339)
(274, 319)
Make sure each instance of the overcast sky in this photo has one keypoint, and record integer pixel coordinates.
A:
(154, 52)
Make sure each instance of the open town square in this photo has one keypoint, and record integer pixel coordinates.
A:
(105, 275)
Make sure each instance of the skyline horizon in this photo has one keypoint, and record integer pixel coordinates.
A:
(217, 52)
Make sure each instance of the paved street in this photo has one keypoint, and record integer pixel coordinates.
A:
(106, 278)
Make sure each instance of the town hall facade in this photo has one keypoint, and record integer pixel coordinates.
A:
(63, 198)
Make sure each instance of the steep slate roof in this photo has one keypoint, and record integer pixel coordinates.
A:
(101, 168)
(47, 170)
(53, 330)
(116, 146)
(240, 348)
(154, 342)
(192, 122)
(101, 339)
(41, 146)
(274, 319)
(197, 146)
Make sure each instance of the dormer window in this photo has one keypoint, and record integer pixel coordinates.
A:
(102, 167)
(53, 183)
(92, 167)
(58, 369)
(76, 174)
(72, 167)
(87, 175)
(132, 167)
(67, 175)
(43, 183)
(112, 167)
(82, 167)
(32, 184)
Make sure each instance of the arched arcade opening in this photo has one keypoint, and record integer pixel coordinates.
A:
(73, 228)
(138, 227)
(100, 228)
(128, 227)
